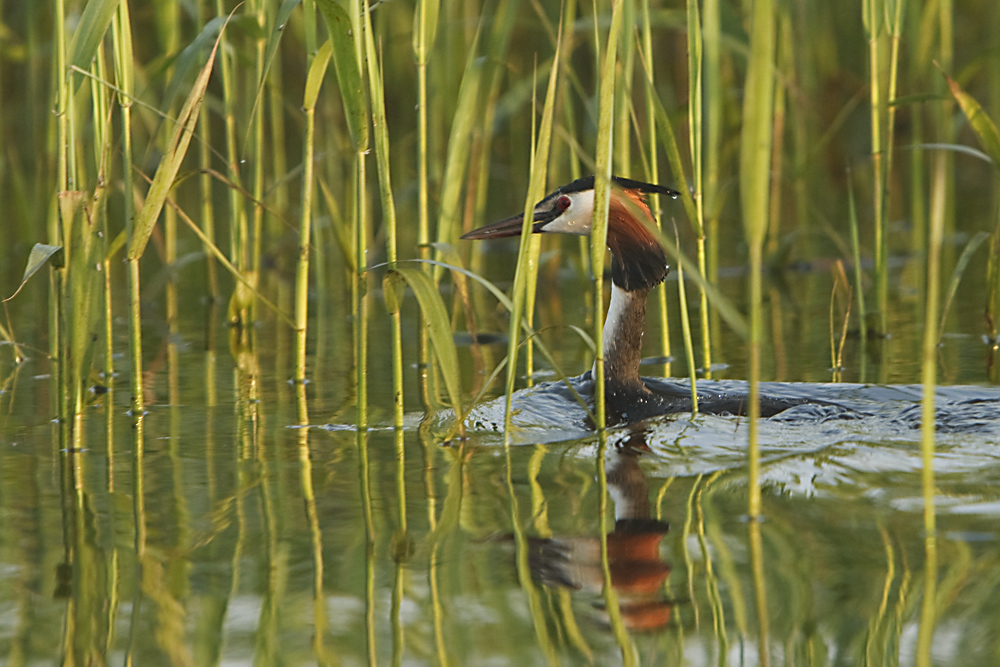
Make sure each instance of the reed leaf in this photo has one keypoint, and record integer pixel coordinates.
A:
(669, 142)
(170, 164)
(279, 21)
(425, 18)
(463, 124)
(78, 211)
(529, 332)
(527, 248)
(438, 325)
(314, 79)
(348, 70)
(980, 121)
(94, 22)
(190, 56)
(39, 255)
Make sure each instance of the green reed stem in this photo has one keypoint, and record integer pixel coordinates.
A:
(238, 231)
(928, 420)
(426, 20)
(852, 221)
(654, 172)
(686, 331)
(527, 265)
(622, 144)
(872, 18)
(365, 489)
(315, 533)
(602, 199)
(609, 594)
(400, 552)
(63, 166)
(125, 78)
(928, 611)
(376, 88)
(124, 58)
(760, 592)
(530, 259)
(359, 293)
(928, 366)
(259, 156)
(755, 167)
(530, 589)
(205, 180)
(313, 84)
(696, 135)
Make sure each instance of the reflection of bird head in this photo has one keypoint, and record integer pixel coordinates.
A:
(638, 572)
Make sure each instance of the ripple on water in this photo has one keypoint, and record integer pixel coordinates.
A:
(845, 438)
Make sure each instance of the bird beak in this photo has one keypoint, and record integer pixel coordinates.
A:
(510, 226)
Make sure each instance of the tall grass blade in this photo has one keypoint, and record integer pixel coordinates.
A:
(94, 23)
(170, 164)
(190, 58)
(425, 20)
(527, 269)
(928, 420)
(602, 195)
(980, 121)
(314, 81)
(463, 124)
(376, 90)
(345, 64)
(80, 304)
(438, 325)
(653, 172)
(873, 15)
(39, 255)
(696, 117)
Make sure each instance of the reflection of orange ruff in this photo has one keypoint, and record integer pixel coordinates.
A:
(638, 264)
(646, 615)
(635, 562)
(638, 576)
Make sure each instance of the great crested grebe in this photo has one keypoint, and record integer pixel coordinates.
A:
(638, 264)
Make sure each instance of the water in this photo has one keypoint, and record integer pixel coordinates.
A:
(258, 541)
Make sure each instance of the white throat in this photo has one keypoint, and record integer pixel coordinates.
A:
(621, 306)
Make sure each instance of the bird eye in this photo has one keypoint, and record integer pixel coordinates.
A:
(563, 203)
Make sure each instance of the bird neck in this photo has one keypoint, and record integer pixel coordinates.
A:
(623, 329)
